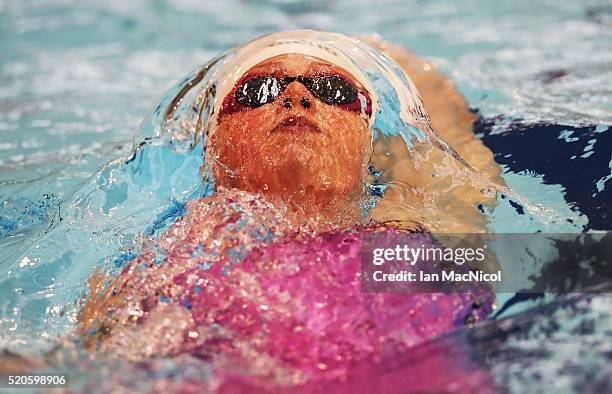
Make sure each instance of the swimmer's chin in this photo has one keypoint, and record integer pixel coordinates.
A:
(296, 124)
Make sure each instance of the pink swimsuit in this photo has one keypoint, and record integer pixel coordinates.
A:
(288, 311)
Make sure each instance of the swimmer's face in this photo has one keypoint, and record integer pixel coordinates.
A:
(295, 127)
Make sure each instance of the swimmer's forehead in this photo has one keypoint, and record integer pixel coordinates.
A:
(295, 64)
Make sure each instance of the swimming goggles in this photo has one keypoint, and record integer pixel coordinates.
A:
(330, 89)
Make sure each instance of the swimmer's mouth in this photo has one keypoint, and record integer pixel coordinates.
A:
(297, 124)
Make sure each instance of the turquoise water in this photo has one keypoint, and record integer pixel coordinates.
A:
(77, 78)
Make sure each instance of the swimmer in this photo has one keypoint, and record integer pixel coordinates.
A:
(292, 129)
(264, 274)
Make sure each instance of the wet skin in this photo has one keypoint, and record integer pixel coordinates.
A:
(297, 149)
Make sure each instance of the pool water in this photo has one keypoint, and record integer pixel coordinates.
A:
(77, 79)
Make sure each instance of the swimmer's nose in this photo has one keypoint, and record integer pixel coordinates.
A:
(297, 96)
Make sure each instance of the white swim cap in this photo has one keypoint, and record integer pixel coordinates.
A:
(349, 53)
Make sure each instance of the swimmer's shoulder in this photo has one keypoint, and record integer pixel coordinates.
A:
(448, 110)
